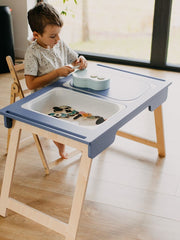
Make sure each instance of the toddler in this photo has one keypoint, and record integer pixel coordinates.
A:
(48, 57)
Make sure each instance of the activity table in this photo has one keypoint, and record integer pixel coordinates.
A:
(135, 92)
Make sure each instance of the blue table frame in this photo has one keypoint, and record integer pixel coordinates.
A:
(90, 142)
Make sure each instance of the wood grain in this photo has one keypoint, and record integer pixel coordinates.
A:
(131, 195)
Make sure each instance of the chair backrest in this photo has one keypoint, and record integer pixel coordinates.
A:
(17, 74)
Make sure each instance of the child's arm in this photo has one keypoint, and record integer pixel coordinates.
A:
(34, 82)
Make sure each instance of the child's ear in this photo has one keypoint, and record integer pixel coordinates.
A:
(35, 35)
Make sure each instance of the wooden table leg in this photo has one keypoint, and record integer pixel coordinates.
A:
(79, 195)
(9, 169)
(69, 230)
(159, 131)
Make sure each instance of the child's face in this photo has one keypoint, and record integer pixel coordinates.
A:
(50, 36)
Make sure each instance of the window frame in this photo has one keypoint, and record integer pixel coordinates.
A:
(159, 44)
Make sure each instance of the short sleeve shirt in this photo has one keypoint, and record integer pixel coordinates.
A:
(39, 60)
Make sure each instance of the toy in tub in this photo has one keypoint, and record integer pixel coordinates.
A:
(75, 107)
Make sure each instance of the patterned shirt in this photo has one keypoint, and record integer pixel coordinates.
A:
(39, 60)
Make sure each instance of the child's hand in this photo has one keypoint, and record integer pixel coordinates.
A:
(64, 71)
(81, 62)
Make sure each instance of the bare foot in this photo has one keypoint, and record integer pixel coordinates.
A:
(61, 148)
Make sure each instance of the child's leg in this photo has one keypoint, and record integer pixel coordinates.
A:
(61, 148)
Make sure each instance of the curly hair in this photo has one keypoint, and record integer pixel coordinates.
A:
(42, 15)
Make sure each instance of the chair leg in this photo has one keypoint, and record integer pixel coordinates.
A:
(39, 147)
(41, 153)
(8, 139)
(12, 100)
(159, 131)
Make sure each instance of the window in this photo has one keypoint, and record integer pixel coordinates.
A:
(174, 38)
(126, 32)
(120, 28)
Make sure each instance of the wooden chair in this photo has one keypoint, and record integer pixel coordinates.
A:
(17, 74)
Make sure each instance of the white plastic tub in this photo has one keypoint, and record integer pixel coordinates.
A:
(78, 101)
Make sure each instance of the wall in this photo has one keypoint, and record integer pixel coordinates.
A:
(20, 25)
